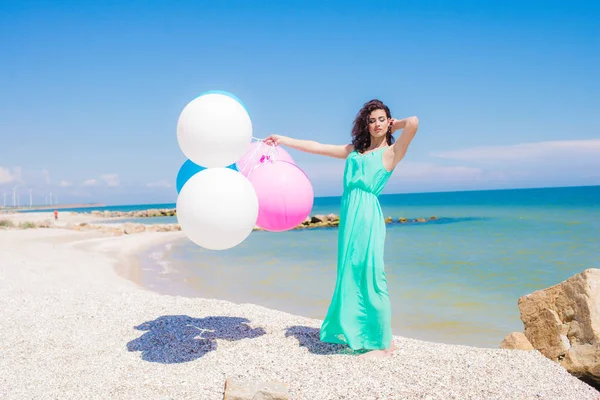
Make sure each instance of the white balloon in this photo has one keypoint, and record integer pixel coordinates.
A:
(217, 208)
(214, 130)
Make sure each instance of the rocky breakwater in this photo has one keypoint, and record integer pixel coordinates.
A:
(154, 212)
(333, 220)
(563, 323)
(128, 228)
(314, 221)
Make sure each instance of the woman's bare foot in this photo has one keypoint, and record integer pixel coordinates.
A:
(379, 353)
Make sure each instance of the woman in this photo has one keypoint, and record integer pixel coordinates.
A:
(359, 314)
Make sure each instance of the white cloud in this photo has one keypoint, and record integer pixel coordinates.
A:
(6, 176)
(111, 180)
(90, 182)
(163, 184)
(65, 184)
(551, 150)
(420, 176)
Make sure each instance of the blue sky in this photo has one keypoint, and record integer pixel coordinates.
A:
(506, 91)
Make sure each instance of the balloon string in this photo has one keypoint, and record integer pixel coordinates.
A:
(271, 154)
(252, 156)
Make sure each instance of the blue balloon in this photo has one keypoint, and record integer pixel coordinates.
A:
(224, 93)
(189, 169)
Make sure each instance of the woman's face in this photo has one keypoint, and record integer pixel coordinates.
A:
(378, 123)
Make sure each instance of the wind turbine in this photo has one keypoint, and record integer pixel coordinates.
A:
(14, 197)
(50, 198)
(4, 198)
(30, 198)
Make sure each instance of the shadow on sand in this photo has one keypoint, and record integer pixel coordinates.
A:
(179, 338)
(310, 338)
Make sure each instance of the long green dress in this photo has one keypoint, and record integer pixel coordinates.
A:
(360, 313)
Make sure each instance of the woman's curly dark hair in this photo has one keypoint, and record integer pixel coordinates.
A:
(361, 138)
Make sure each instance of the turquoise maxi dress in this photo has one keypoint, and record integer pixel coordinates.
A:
(360, 313)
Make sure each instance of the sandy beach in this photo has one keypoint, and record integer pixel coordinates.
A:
(73, 327)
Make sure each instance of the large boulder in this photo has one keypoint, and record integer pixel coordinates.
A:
(563, 323)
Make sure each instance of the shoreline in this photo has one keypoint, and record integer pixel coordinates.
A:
(89, 333)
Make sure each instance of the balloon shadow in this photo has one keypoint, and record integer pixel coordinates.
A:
(310, 338)
(179, 338)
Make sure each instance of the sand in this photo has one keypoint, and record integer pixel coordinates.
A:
(73, 328)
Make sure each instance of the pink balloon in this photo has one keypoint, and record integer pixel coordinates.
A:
(285, 195)
(258, 153)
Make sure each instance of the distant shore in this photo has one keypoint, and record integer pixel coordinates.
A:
(51, 207)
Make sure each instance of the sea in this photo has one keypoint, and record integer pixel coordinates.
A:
(456, 279)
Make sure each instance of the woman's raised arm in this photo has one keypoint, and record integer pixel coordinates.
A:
(311, 146)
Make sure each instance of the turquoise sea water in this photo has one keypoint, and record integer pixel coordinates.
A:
(455, 280)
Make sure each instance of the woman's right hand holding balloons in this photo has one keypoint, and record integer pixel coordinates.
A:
(275, 140)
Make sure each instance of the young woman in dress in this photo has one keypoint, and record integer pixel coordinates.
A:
(360, 314)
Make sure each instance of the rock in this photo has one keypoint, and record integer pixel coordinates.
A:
(389, 220)
(563, 323)
(246, 390)
(433, 218)
(421, 220)
(516, 341)
(130, 228)
(317, 219)
(164, 228)
(402, 220)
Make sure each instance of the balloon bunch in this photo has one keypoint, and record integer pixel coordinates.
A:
(230, 184)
